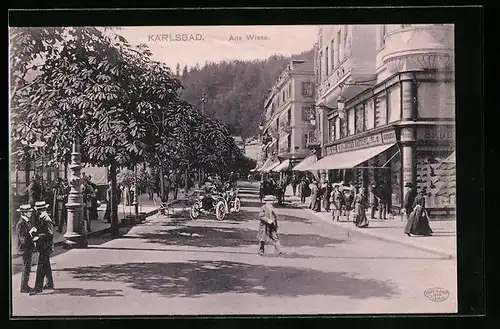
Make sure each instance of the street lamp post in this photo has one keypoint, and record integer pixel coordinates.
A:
(135, 202)
(75, 234)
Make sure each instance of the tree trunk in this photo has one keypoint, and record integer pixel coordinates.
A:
(65, 170)
(162, 183)
(114, 201)
(186, 180)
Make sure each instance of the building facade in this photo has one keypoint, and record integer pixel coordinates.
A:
(396, 123)
(286, 131)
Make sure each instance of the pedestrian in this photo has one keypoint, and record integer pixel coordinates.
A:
(173, 183)
(327, 195)
(268, 226)
(408, 199)
(385, 199)
(44, 245)
(418, 221)
(25, 244)
(374, 199)
(349, 194)
(126, 192)
(314, 193)
(337, 200)
(360, 209)
(295, 182)
(304, 190)
(61, 197)
(34, 191)
(319, 197)
(92, 205)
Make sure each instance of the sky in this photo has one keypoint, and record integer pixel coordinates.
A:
(188, 45)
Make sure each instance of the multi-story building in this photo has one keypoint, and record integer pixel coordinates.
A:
(288, 108)
(386, 108)
(240, 143)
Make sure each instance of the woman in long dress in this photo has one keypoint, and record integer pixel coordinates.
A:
(418, 221)
(360, 209)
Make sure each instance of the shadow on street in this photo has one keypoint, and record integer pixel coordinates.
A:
(202, 236)
(198, 278)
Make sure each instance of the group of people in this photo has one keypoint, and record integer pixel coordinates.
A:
(269, 186)
(416, 213)
(57, 196)
(35, 237)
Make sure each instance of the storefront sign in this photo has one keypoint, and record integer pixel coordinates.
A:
(407, 135)
(389, 137)
(407, 101)
(436, 133)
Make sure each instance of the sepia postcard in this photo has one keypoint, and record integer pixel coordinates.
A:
(233, 170)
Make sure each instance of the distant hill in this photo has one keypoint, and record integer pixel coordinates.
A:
(235, 91)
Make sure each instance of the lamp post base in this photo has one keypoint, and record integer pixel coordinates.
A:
(75, 242)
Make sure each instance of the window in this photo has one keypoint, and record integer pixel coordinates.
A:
(307, 88)
(345, 37)
(360, 120)
(306, 139)
(350, 121)
(327, 66)
(369, 115)
(320, 61)
(339, 48)
(337, 128)
(289, 89)
(380, 111)
(332, 47)
(306, 112)
(393, 105)
(331, 130)
(343, 127)
(289, 116)
(283, 93)
(382, 35)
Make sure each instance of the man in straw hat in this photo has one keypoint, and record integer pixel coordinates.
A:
(44, 245)
(25, 243)
(268, 227)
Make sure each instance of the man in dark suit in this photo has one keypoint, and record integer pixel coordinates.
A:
(408, 199)
(61, 196)
(45, 232)
(34, 190)
(25, 244)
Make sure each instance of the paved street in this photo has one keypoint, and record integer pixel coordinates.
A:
(207, 266)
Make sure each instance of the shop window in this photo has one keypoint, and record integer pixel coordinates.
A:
(394, 104)
(369, 115)
(359, 119)
(351, 121)
(380, 111)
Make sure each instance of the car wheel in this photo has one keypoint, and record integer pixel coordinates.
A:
(220, 210)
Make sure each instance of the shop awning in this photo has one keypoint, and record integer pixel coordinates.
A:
(347, 160)
(282, 166)
(268, 165)
(450, 159)
(306, 162)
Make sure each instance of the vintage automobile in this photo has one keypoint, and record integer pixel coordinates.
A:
(232, 200)
(209, 201)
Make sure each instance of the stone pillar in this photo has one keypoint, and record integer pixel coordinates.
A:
(75, 234)
(408, 156)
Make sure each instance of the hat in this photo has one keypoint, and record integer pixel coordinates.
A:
(24, 208)
(41, 205)
(269, 198)
(408, 184)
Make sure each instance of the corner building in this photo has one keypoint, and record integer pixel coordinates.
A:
(397, 88)
(288, 106)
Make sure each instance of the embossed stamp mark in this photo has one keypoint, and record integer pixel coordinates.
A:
(437, 294)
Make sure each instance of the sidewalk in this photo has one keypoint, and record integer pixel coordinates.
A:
(442, 242)
(100, 226)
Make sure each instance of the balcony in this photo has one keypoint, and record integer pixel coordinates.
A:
(419, 47)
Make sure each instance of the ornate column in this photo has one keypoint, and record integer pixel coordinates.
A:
(75, 234)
